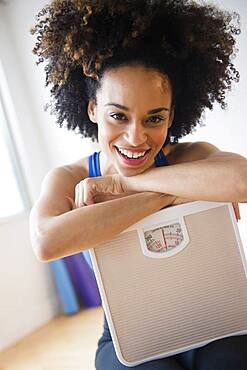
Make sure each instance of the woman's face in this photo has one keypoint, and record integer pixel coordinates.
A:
(133, 112)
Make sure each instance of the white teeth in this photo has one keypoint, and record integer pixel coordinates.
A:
(130, 154)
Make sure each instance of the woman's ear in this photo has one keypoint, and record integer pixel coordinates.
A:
(91, 110)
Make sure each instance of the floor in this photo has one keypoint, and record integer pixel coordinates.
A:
(65, 343)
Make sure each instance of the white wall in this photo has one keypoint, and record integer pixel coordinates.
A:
(28, 296)
(27, 291)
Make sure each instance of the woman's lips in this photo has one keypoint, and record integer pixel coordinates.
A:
(132, 161)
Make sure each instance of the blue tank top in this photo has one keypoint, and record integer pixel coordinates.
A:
(94, 171)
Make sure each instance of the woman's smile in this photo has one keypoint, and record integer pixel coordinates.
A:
(134, 157)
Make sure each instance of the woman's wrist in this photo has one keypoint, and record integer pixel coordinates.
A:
(132, 183)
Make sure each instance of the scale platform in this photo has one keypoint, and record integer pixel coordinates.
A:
(174, 281)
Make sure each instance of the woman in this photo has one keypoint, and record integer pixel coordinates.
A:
(136, 76)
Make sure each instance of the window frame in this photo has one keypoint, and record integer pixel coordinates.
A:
(13, 154)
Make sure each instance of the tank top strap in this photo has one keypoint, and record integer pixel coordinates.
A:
(161, 160)
(94, 165)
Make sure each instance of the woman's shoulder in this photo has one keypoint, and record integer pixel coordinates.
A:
(78, 170)
(63, 179)
(58, 185)
(188, 151)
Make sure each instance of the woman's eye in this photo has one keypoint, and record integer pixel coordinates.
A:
(155, 119)
(118, 116)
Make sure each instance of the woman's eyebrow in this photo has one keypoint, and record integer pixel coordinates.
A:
(157, 110)
(152, 111)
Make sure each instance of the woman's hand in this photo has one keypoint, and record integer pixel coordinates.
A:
(236, 211)
(99, 189)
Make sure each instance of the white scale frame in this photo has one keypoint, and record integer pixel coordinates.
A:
(169, 216)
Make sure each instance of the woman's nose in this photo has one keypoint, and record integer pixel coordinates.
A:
(136, 134)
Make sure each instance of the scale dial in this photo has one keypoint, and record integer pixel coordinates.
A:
(164, 239)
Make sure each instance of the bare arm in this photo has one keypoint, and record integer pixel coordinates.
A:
(88, 226)
(57, 230)
(212, 176)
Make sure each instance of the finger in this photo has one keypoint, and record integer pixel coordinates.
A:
(81, 194)
(236, 211)
(76, 196)
(180, 200)
(72, 203)
(78, 192)
(234, 208)
(88, 193)
(88, 199)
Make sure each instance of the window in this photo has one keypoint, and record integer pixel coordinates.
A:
(14, 197)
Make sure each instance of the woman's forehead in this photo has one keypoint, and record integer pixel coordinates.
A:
(134, 83)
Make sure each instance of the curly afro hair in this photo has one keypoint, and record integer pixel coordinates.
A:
(193, 44)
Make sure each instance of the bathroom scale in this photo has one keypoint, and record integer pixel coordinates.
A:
(174, 281)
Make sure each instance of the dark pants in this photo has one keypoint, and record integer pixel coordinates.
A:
(224, 354)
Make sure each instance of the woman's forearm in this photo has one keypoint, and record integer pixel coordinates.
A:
(85, 227)
(217, 178)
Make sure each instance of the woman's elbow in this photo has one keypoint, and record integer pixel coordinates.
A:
(40, 244)
(41, 249)
(40, 240)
